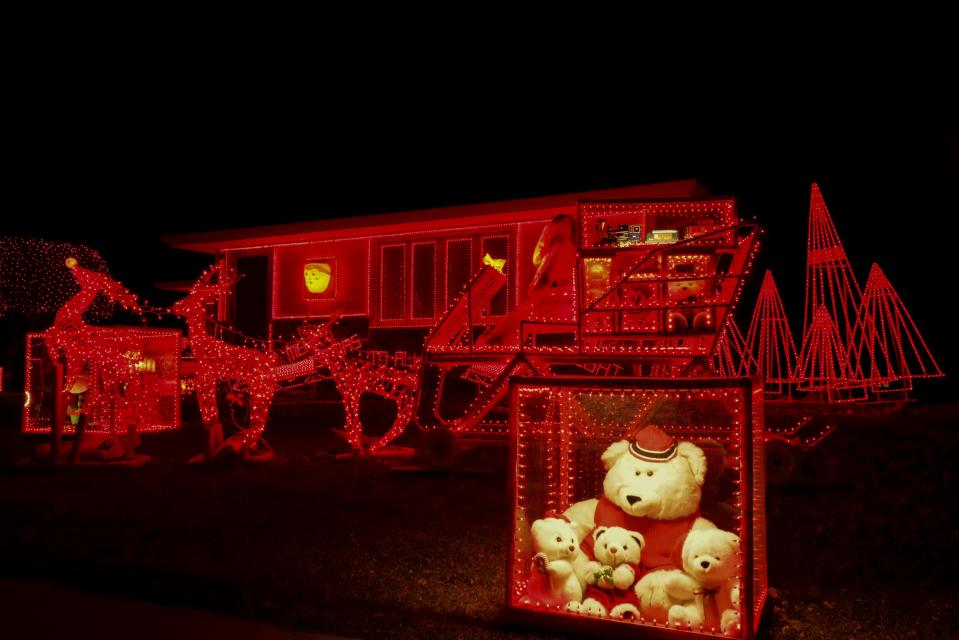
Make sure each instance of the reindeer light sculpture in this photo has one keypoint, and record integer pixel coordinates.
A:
(218, 361)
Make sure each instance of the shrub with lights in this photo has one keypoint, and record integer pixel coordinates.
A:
(33, 280)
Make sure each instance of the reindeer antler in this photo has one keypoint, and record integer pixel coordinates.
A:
(225, 276)
(93, 281)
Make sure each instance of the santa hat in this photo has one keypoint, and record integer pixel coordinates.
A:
(652, 444)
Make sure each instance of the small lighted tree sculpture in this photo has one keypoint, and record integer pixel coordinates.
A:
(823, 366)
(887, 348)
(830, 281)
(770, 341)
(731, 356)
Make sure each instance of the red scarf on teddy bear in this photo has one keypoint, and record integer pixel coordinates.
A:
(664, 538)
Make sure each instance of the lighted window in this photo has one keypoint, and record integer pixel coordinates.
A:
(459, 268)
(392, 282)
(423, 293)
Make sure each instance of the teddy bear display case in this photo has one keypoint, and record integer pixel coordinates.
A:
(638, 505)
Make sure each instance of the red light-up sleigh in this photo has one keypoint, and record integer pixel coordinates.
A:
(651, 290)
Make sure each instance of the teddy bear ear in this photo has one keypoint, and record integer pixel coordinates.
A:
(613, 453)
(638, 537)
(695, 458)
(536, 526)
(598, 532)
(732, 538)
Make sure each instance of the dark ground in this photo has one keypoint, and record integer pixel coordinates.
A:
(861, 543)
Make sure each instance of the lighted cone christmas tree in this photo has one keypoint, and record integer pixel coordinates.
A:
(830, 281)
(823, 366)
(887, 349)
(731, 357)
(770, 341)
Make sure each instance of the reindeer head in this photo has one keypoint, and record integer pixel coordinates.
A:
(93, 282)
(320, 335)
(215, 282)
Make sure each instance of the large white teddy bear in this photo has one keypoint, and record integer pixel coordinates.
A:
(553, 579)
(653, 485)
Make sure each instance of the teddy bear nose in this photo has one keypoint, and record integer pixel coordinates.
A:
(613, 549)
(704, 564)
(633, 500)
(572, 548)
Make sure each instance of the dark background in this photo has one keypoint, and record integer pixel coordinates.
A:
(118, 167)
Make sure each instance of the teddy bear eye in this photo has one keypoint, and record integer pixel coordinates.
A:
(558, 539)
(649, 473)
(605, 546)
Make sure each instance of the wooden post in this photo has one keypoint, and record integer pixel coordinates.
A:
(59, 414)
(214, 440)
(131, 437)
(81, 428)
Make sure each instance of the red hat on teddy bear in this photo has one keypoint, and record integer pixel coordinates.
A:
(652, 444)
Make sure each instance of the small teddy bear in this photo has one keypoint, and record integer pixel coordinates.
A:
(710, 585)
(610, 576)
(552, 578)
(617, 552)
(687, 292)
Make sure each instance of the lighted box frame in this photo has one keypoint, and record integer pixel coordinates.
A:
(157, 343)
(743, 441)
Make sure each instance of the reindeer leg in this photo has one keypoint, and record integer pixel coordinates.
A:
(258, 417)
(206, 395)
(405, 404)
(77, 437)
(354, 428)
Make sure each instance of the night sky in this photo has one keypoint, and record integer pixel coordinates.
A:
(117, 176)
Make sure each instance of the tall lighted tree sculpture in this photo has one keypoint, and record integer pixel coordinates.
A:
(830, 281)
(770, 341)
(887, 348)
(823, 367)
(731, 357)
